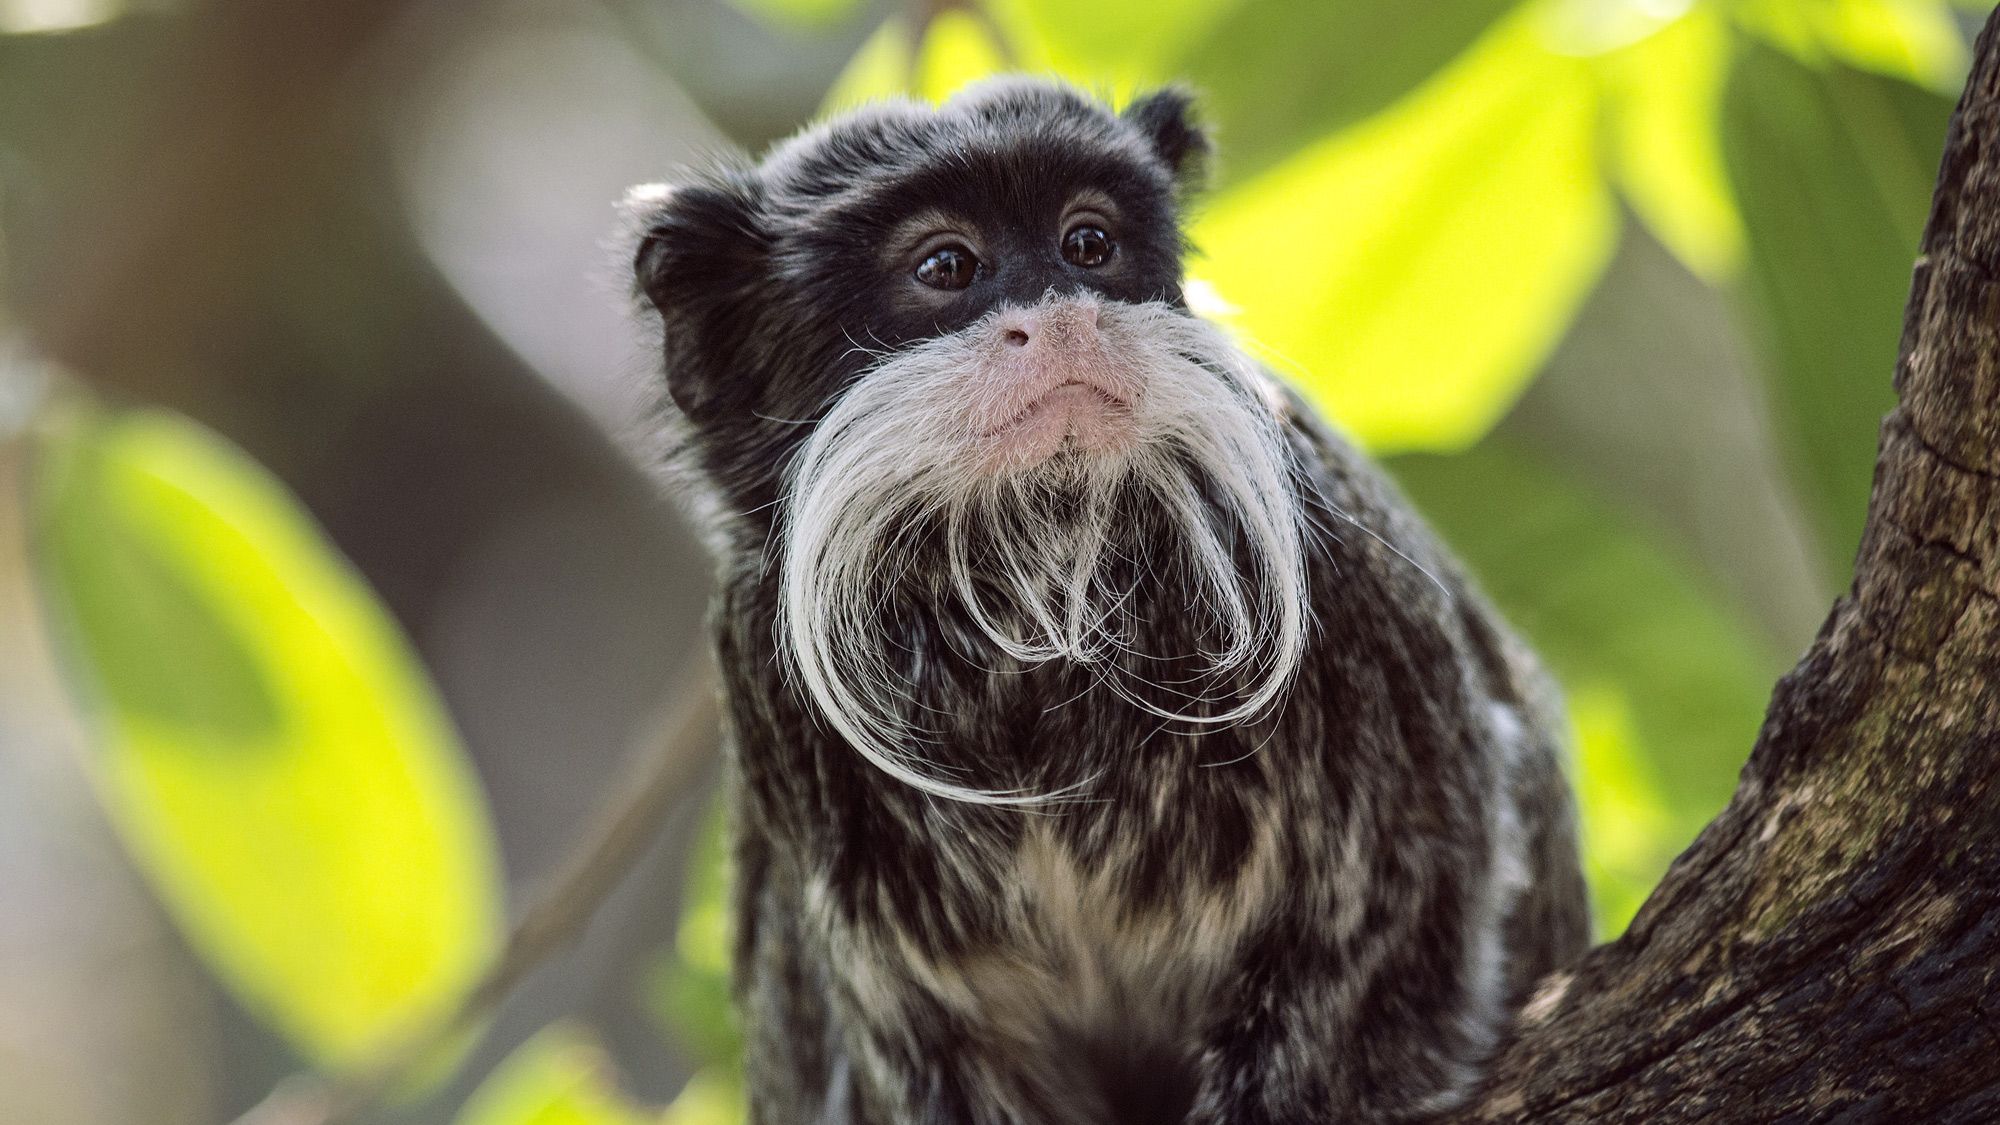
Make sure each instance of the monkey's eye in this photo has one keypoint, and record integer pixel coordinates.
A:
(1087, 246)
(948, 267)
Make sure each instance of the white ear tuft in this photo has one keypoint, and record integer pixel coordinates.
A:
(641, 198)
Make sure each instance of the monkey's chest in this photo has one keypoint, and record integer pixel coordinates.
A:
(1095, 947)
(1091, 989)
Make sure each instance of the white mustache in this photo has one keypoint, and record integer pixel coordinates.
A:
(1028, 554)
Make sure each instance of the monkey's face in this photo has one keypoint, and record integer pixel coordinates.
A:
(899, 224)
(948, 350)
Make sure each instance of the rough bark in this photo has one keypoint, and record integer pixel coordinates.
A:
(1828, 949)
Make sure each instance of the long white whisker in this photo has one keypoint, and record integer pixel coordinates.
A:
(892, 502)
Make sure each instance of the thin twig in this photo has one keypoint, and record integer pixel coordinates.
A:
(677, 742)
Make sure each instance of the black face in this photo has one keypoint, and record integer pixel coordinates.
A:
(897, 224)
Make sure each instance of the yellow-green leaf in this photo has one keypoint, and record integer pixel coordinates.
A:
(882, 68)
(560, 1077)
(690, 984)
(957, 51)
(268, 746)
(1414, 271)
(1666, 681)
(1915, 40)
(1833, 169)
(1275, 75)
(1665, 95)
(1123, 43)
(1628, 835)
(714, 1096)
(800, 15)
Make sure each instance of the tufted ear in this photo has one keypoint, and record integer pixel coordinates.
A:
(702, 260)
(1166, 118)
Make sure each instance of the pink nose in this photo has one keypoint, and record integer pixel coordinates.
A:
(1049, 380)
(1057, 324)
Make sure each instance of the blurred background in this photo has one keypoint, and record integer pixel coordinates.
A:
(330, 612)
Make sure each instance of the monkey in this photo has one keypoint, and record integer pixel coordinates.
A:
(1109, 741)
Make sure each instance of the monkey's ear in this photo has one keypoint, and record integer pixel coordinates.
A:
(701, 259)
(1166, 118)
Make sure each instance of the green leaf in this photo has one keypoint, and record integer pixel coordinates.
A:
(1628, 832)
(1917, 41)
(559, 1077)
(714, 1096)
(882, 68)
(690, 985)
(1122, 45)
(1667, 685)
(1414, 271)
(1833, 170)
(1278, 74)
(798, 15)
(268, 746)
(957, 50)
(1665, 98)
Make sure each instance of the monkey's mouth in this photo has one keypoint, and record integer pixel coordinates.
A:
(1072, 411)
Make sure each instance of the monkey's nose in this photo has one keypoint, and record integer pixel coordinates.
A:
(1059, 323)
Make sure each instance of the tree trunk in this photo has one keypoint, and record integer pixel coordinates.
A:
(1828, 949)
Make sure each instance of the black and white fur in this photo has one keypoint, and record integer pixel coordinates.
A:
(1189, 782)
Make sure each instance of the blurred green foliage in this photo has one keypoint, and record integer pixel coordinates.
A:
(560, 1077)
(690, 986)
(1435, 251)
(267, 743)
(1834, 169)
(1412, 204)
(1666, 686)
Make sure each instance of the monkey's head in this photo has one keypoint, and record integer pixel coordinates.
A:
(939, 360)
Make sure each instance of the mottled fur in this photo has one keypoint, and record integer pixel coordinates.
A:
(1320, 910)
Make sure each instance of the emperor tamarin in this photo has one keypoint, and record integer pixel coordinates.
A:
(1110, 742)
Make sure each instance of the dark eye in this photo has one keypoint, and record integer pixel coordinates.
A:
(948, 267)
(1087, 246)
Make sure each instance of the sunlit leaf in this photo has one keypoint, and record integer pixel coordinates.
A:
(957, 50)
(690, 986)
(560, 1077)
(1833, 170)
(268, 746)
(1121, 45)
(714, 1096)
(882, 68)
(1628, 834)
(1276, 75)
(1665, 101)
(803, 15)
(1915, 40)
(1667, 678)
(1413, 272)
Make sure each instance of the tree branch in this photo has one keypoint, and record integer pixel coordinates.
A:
(1829, 946)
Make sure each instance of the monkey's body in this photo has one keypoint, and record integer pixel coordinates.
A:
(1317, 909)
(1321, 917)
